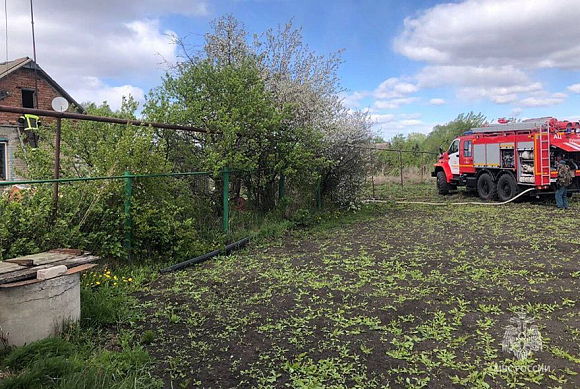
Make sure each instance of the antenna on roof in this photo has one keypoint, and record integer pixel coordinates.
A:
(34, 57)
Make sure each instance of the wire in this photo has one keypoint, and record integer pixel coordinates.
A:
(6, 26)
(34, 55)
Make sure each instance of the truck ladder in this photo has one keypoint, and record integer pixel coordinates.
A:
(544, 156)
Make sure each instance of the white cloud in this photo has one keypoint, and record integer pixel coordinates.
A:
(93, 89)
(489, 48)
(575, 88)
(389, 125)
(395, 103)
(516, 112)
(495, 32)
(437, 101)
(393, 88)
(352, 101)
(119, 44)
(554, 99)
(504, 99)
(411, 122)
(500, 85)
(504, 76)
(380, 119)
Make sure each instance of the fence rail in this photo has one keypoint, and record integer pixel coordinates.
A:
(393, 159)
(129, 178)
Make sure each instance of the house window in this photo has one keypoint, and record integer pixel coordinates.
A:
(3, 164)
(27, 98)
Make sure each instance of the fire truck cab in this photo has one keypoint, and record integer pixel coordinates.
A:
(501, 160)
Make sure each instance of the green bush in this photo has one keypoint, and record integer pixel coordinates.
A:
(42, 373)
(56, 363)
(103, 306)
(47, 348)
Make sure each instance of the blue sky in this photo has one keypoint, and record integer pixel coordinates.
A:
(411, 64)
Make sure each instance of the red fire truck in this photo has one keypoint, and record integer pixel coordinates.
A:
(501, 160)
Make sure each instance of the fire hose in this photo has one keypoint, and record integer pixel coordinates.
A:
(452, 203)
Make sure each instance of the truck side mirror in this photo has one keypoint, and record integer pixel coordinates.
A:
(440, 150)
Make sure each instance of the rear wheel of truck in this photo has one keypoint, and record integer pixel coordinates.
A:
(507, 187)
(486, 188)
(442, 184)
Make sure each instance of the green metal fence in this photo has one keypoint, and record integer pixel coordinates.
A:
(128, 179)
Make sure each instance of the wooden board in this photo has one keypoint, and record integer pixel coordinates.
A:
(41, 259)
(25, 273)
(77, 269)
(72, 270)
(6, 267)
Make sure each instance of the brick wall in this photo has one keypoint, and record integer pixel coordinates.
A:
(13, 84)
(24, 79)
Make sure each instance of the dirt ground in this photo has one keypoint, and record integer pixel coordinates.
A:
(414, 297)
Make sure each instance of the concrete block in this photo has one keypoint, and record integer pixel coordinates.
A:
(51, 272)
(36, 311)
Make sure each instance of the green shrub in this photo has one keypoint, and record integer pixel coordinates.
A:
(104, 306)
(302, 218)
(148, 337)
(47, 348)
(56, 363)
(44, 372)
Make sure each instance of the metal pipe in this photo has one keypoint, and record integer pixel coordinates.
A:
(127, 243)
(102, 119)
(398, 150)
(56, 167)
(204, 257)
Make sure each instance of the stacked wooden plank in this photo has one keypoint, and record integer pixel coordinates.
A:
(22, 270)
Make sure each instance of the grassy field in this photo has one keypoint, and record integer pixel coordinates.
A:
(401, 296)
(408, 296)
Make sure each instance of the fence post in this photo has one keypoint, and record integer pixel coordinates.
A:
(422, 167)
(373, 173)
(128, 217)
(401, 165)
(282, 186)
(319, 194)
(226, 195)
(56, 167)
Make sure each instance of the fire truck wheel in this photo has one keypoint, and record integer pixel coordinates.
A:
(486, 188)
(507, 187)
(442, 184)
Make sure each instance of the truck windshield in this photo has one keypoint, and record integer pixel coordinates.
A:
(454, 147)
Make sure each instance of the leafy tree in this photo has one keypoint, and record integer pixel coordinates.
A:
(90, 214)
(275, 103)
(442, 135)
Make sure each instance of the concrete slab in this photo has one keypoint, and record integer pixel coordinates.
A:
(38, 310)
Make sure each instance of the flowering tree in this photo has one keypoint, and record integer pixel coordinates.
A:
(276, 103)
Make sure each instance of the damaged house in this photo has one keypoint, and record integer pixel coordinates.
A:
(24, 84)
